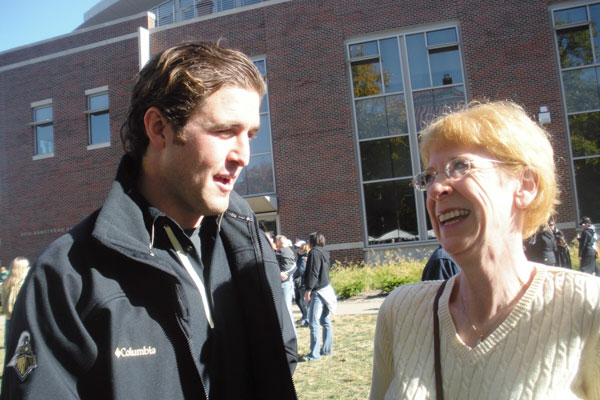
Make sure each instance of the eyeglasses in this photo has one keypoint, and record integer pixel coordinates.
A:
(455, 169)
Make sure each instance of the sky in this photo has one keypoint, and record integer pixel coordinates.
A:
(29, 21)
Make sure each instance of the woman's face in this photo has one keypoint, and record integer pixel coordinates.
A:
(468, 212)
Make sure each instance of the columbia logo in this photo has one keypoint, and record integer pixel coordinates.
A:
(129, 352)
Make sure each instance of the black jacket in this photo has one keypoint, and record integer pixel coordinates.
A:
(586, 243)
(440, 266)
(317, 269)
(541, 247)
(100, 316)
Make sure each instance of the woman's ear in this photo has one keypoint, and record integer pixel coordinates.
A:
(528, 188)
(155, 124)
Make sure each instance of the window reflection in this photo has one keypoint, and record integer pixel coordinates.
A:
(385, 158)
(445, 66)
(390, 208)
(262, 142)
(431, 103)
(100, 128)
(366, 78)
(44, 135)
(371, 118)
(390, 60)
(570, 16)
(574, 46)
(418, 62)
(43, 114)
(581, 89)
(587, 172)
(363, 49)
(395, 108)
(585, 136)
(259, 174)
(442, 36)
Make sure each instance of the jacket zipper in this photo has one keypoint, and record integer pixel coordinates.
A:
(193, 358)
(262, 261)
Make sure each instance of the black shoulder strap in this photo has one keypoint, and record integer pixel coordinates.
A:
(436, 344)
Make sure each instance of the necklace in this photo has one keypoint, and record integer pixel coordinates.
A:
(477, 332)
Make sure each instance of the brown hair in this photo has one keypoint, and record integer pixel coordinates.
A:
(177, 80)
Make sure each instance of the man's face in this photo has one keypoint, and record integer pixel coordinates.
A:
(199, 175)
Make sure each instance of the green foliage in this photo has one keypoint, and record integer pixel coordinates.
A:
(351, 289)
(391, 271)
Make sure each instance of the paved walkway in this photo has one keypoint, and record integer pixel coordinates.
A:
(368, 304)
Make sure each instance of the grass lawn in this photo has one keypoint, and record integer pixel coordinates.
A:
(347, 373)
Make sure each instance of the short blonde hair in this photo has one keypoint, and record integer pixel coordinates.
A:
(505, 131)
(283, 241)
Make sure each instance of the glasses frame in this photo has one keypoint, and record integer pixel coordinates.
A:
(420, 177)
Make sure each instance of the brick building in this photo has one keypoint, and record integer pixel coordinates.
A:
(350, 84)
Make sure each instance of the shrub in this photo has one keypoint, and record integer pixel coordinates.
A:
(351, 289)
(391, 271)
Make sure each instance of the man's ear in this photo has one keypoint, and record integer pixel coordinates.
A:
(527, 189)
(156, 125)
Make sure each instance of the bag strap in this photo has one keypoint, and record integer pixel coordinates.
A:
(436, 344)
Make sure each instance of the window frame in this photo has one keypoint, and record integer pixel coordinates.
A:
(423, 235)
(37, 105)
(595, 64)
(267, 112)
(97, 111)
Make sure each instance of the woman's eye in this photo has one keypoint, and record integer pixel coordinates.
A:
(459, 166)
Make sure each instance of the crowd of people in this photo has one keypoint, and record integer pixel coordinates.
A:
(172, 290)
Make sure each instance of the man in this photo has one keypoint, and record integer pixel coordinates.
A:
(440, 266)
(170, 291)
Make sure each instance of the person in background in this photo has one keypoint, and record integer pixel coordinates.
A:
(541, 247)
(11, 287)
(286, 256)
(440, 266)
(587, 247)
(505, 327)
(302, 249)
(563, 255)
(3, 273)
(171, 290)
(321, 298)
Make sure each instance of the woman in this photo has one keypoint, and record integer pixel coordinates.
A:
(508, 328)
(286, 256)
(587, 247)
(320, 297)
(10, 288)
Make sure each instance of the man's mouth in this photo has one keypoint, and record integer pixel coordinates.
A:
(225, 180)
(452, 217)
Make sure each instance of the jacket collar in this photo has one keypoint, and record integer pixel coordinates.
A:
(127, 222)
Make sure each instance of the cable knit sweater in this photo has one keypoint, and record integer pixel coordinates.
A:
(547, 348)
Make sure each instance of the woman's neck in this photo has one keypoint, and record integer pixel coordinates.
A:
(487, 290)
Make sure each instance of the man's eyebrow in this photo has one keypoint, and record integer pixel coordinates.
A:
(223, 126)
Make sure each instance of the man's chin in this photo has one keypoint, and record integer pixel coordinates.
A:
(217, 206)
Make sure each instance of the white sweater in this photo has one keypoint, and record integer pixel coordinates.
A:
(547, 348)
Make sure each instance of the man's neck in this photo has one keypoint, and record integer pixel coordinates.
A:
(151, 189)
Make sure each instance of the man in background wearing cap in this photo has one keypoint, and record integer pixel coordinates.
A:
(587, 247)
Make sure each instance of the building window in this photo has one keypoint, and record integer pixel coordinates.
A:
(43, 128)
(180, 10)
(258, 177)
(578, 47)
(98, 116)
(393, 100)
